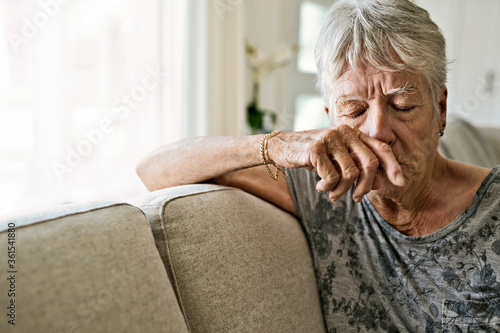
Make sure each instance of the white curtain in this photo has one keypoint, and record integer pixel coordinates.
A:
(89, 87)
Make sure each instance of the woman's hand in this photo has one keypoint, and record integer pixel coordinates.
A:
(340, 155)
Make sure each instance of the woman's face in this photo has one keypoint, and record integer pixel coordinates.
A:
(395, 108)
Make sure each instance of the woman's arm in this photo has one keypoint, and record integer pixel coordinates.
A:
(196, 160)
(340, 156)
(231, 161)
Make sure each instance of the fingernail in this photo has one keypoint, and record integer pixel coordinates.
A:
(400, 181)
(357, 199)
(334, 199)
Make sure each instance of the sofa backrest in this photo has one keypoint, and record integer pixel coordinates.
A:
(493, 137)
(237, 263)
(89, 267)
(467, 143)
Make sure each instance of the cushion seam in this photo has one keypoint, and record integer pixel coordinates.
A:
(73, 214)
(174, 277)
(163, 203)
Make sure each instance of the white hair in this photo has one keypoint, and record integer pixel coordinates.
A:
(391, 35)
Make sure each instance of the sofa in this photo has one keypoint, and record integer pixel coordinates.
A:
(193, 258)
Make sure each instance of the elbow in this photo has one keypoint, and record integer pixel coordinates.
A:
(152, 175)
(145, 175)
(139, 170)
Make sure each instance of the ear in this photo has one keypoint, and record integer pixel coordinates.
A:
(443, 105)
(330, 117)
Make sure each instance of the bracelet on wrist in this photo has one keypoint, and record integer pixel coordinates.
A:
(265, 156)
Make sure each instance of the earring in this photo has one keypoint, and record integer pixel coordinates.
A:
(441, 131)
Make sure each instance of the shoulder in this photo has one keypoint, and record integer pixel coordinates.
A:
(481, 179)
(471, 172)
(469, 178)
(460, 188)
(490, 189)
(486, 201)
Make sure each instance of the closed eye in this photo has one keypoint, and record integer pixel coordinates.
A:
(404, 109)
(357, 114)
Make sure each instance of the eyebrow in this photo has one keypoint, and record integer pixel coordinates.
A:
(402, 90)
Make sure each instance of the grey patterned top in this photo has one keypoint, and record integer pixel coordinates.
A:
(374, 279)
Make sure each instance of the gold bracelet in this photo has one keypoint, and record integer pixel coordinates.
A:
(265, 156)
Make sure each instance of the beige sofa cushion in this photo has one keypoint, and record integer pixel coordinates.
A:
(238, 263)
(87, 268)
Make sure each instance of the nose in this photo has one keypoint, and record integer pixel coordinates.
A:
(379, 125)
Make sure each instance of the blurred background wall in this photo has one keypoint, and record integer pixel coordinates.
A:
(471, 28)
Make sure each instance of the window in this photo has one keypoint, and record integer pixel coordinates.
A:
(81, 96)
(309, 109)
(310, 113)
(311, 20)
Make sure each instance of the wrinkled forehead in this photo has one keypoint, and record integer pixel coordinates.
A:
(371, 83)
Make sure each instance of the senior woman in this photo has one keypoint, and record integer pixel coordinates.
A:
(402, 238)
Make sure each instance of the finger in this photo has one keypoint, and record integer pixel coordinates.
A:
(349, 172)
(366, 161)
(325, 169)
(386, 158)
